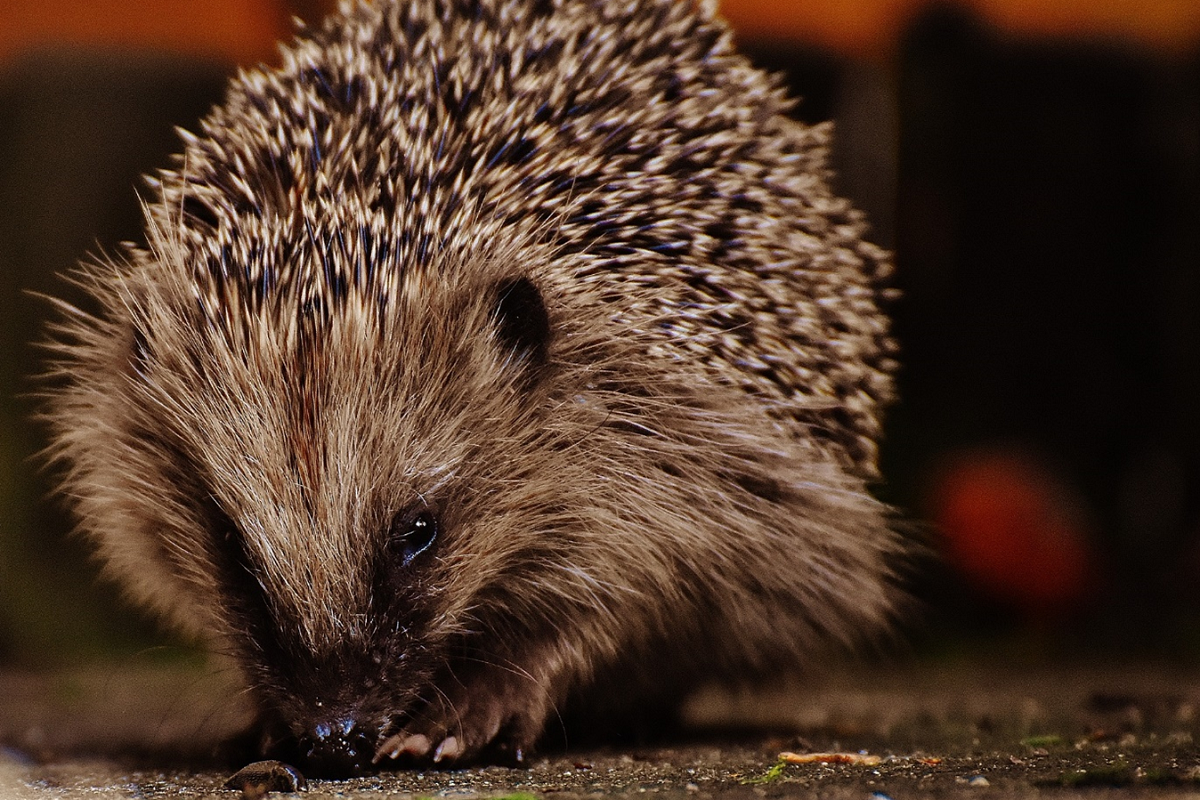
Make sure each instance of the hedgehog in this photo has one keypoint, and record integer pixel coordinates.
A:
(483, 360)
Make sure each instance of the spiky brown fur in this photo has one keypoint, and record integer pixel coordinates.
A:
(556, 277)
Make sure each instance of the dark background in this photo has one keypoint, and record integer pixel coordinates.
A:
(1042, 195)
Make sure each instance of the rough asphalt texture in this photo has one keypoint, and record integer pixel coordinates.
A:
(979, 730)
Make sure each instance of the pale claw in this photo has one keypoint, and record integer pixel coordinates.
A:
(413, 744)
(450, 749)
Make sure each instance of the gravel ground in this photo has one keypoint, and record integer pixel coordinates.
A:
(970, 729)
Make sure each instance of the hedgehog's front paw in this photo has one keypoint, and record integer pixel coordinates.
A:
(494, 712)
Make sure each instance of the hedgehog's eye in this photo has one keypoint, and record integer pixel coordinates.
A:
(411, 535)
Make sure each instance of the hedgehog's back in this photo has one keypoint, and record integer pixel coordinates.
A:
(627, 137)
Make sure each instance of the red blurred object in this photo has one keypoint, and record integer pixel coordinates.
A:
(1015, 531)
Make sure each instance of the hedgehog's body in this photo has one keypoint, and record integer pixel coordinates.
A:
(484, 348)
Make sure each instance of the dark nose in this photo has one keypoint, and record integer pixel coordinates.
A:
(340, 749)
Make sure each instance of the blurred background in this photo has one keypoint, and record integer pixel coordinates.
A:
(1035, 164)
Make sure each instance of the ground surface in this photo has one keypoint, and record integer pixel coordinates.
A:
(974, 729)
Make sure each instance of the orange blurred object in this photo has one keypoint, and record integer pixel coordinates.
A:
(245, 31)
(865, 28)
(1165, 24)
(237, 31)
(1014, 530)
(871, 28)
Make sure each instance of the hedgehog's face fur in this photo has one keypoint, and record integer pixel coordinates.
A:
(352, 502)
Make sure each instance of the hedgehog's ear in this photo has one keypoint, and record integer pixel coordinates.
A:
(522, 324)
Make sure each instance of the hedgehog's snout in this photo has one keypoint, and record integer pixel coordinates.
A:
(339, 748)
